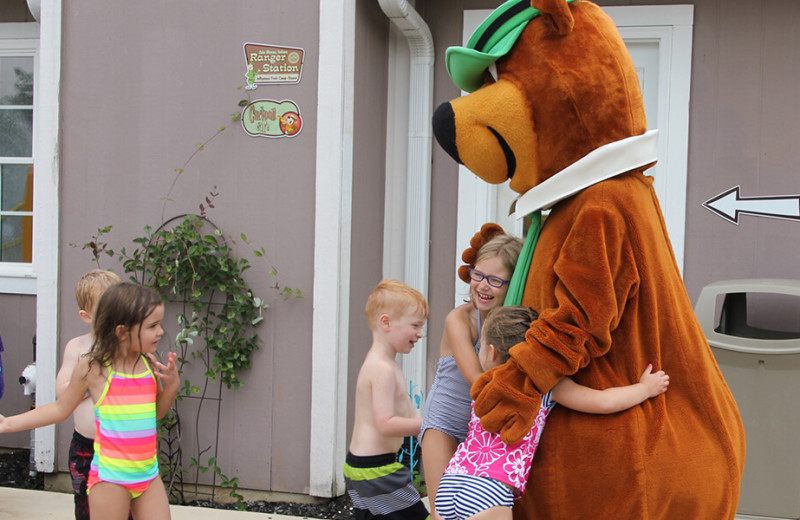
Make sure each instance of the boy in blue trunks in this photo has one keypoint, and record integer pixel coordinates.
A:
(378, 485)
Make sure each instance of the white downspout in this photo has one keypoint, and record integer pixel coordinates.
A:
(35, 7)
(418, 187)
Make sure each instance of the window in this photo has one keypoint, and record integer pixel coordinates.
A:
(18, 63)
(16, 159)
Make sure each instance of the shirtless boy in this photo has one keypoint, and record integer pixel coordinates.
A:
(384, 415)
(81, 449)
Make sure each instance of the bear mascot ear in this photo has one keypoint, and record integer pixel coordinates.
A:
(557, 15)
(488, 231)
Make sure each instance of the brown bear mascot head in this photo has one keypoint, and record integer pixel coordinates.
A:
(550, 83)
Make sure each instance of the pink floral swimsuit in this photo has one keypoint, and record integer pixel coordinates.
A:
(483, 454)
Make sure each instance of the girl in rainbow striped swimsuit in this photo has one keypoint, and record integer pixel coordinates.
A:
(131, 390)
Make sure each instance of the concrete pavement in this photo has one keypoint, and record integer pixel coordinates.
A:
(26, 504)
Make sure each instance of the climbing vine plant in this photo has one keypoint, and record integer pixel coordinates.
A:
(192, 264)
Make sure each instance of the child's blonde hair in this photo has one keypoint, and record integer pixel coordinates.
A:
(395, 299)
(92, 285)
(504, 247)
(125, 303)
(505, 327)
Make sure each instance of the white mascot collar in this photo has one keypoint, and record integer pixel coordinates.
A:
(598, 165)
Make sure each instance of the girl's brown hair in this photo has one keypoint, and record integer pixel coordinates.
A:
(505, 327)
(125, 304)
(504, 247)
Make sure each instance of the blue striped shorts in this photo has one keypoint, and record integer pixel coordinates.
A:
(462, 496)
(381, 488)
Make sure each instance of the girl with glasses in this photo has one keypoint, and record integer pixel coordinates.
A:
(445, 419)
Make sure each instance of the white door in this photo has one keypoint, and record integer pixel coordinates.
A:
(659, 39)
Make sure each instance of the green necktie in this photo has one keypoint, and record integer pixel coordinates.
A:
(517, 284)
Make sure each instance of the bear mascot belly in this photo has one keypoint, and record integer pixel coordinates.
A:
(555, 106)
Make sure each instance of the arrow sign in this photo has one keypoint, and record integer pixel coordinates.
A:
(729, 204)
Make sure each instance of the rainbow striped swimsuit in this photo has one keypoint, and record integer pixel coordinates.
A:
(126, 442)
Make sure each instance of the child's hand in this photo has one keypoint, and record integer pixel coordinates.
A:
(654, 383)
(168, 373)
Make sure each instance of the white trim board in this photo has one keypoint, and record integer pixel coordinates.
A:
(332, 235)
(46, 251)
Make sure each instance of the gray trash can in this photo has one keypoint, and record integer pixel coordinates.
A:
(761, 363)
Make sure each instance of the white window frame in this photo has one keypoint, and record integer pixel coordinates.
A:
(21, 39)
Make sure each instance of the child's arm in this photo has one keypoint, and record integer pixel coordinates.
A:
(456, 338)
(55, 411)
(611, 400)
(170, 379)
(390, 422)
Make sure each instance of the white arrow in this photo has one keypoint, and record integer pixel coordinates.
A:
(729, 204)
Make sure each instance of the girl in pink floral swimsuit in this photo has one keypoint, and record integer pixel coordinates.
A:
(486, 475)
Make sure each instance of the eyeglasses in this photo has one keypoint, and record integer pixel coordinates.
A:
(494, 281)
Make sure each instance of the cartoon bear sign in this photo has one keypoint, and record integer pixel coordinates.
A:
(602, 276)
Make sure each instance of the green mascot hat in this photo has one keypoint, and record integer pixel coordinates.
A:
(490, 41)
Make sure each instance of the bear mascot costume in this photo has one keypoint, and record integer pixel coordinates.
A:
(555, 106)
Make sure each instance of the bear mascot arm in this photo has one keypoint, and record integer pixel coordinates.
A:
(596, 275)
(555, 106)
